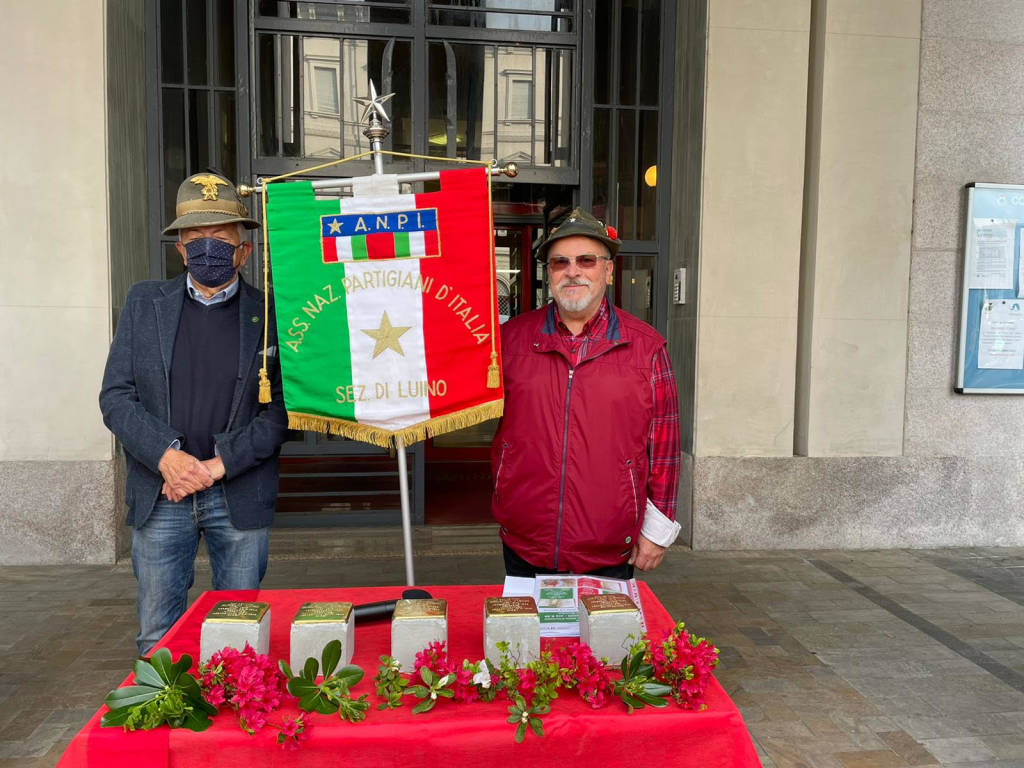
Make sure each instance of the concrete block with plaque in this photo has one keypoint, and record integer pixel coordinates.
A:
(315, 625)
(232, 624)
(513, 620)
(415, 625)
(606, 623)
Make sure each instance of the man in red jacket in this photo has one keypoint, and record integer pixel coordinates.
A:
(586, 459)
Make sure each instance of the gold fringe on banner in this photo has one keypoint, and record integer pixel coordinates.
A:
(385, 438)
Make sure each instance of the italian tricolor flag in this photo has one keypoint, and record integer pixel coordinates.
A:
(386, 307)
(366, 237)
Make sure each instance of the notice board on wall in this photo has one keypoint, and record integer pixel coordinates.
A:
(992, 304)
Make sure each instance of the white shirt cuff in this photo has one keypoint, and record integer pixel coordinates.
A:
(657, 528)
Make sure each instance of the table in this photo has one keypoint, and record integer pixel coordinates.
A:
(452, 734)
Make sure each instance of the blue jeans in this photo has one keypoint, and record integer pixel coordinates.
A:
(164, 553)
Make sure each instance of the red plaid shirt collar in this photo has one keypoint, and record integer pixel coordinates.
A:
(578, 346)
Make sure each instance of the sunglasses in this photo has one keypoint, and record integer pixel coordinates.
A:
(585, 261)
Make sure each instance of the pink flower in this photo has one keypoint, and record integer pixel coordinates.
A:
(251, 719)
(581, 670)
(435, 658)
(248, 681)
(464, 688)
(292, 732)
(527, 684)
(215, 695)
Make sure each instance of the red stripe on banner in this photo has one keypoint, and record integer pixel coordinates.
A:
(380, 245)
(430, 242)
(460, 296)
(330, 249)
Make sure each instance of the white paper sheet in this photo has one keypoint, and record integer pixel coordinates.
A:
(1001, 335)
(558, 594)
(990, 263)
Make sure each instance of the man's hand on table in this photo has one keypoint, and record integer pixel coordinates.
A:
(183, 474)
(646, 554)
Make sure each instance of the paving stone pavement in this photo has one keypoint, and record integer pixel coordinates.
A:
(837, 659)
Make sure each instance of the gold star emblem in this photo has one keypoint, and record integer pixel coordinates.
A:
(210, 184)
(386, 336)
(335, 227)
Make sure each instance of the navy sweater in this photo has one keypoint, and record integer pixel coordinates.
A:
(204, 370)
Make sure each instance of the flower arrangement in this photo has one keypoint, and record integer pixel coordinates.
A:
(676, 665)
(684, 662)
(673, 665)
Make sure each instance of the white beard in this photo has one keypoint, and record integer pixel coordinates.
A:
(574, 305)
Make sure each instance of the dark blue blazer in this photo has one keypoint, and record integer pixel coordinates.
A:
(136, 401)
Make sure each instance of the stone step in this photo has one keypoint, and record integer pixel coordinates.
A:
(382, 541)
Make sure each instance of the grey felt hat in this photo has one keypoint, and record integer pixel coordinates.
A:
(582, 223)
(206, 199)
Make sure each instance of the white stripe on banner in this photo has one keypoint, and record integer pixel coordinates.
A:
(390, 383)
(417, 245)
(344, 246)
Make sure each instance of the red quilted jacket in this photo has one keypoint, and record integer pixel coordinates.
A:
(569, 459)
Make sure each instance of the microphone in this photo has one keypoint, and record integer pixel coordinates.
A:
(383, 609)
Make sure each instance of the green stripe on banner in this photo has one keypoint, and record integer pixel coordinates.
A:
(359, 248)
(402, 244)
(310, 303)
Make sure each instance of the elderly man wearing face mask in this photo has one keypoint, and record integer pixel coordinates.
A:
(180, 393)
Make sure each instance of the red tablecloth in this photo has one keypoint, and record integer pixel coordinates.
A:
(453, 733)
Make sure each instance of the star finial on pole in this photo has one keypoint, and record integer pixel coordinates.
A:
(373, 105)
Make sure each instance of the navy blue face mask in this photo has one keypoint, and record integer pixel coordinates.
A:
(211, 262)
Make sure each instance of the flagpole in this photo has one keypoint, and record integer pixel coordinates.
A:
(509, 169)
(376, 132)
(403, 486)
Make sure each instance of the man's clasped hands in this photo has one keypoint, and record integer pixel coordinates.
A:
(184, 474)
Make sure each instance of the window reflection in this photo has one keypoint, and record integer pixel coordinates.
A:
(636, 281)
(306, 87)
(626, 127)
(321, 118)
(373, 11)
(525, 15)
(507, 102)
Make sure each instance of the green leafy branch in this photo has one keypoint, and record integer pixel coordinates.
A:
(507, 672)
(163, 692)
(435, 686)
(638, 687)
(390, 683)
(523, 717)
(547, 679)
(333, 693)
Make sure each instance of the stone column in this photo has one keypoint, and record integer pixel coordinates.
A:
(857, 223)
(56, 470)
(752, 200)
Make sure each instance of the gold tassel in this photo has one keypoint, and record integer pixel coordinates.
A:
(264, 386)
(493, 376)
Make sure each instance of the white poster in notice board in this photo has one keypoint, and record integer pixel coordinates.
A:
(991, 358)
